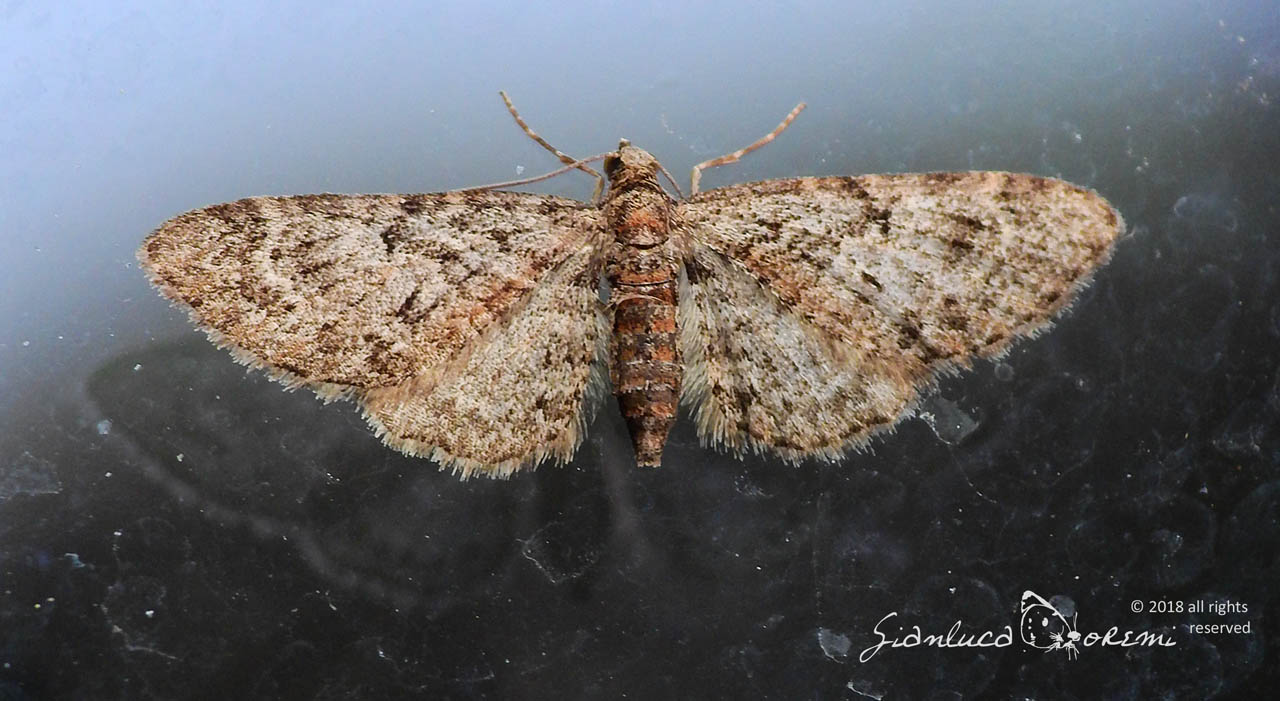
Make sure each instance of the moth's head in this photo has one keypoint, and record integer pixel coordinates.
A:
(629, 163)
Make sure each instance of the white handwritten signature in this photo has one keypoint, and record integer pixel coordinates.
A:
(1042, 626)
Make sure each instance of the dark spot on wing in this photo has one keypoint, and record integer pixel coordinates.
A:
(955, 320)
(694, 273)
(1049, 297)
(380, 357)
(909, 334)
(943, 180)
(260, 294)
(968, 222)
(405, 310)
(413, 205)
(313, 268)
(773, 226)
(881, 217)
(227, 211)
(395, 233)
(855, 188)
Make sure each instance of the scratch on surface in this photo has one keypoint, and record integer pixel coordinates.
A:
(131, 647)
(813, 556)
(834, 645)
(965, 475)
(850, 686)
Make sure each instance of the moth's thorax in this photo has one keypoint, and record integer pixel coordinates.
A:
(639, 215)
(637, 209)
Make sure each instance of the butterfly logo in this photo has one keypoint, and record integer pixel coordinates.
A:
(1044, 627)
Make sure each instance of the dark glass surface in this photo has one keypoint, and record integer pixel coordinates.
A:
(172, 527)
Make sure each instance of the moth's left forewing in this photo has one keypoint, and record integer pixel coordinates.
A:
(467, 324)
(900, 275)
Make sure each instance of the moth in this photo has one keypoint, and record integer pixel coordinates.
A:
(799, 316)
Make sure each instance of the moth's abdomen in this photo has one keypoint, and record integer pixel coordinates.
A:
(646, 359)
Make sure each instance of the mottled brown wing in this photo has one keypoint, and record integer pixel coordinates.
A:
(760, 375)
(864, 288)
(406, 301)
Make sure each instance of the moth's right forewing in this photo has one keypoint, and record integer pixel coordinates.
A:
(359, 291)
(958, 263)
